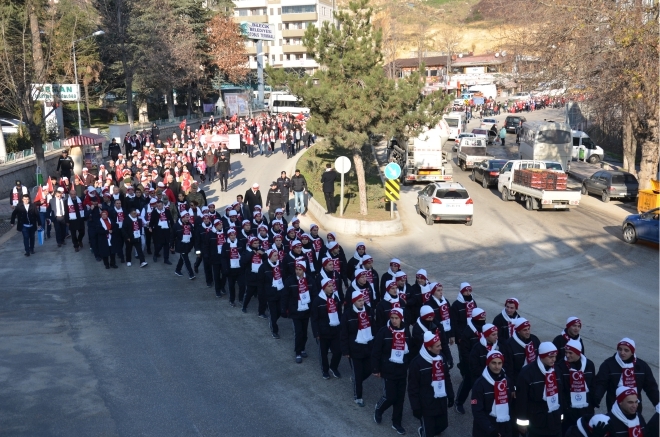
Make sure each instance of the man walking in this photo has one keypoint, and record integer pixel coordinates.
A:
(328, 180)
(223, 166)
(75, 219)
(65, 164)
(253, 197)
(299, 187)
(28, 221)
(58, 217)
(284, 184)
(274, 200)
(17, 193)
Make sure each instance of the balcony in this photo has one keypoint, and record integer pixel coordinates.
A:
(294, 48)
(293, 33)
(252, 50)
(307, 16)
(251, 18)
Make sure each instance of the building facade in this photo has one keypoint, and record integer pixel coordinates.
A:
(290, 18)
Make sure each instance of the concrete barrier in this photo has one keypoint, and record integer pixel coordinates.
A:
(25, 170)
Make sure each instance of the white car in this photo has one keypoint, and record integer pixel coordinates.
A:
(445, 201)
(488, 123)
(521, 96)
(10, 126)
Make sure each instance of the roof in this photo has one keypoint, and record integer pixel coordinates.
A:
(429, 61)
(487, 59)
(84, 140)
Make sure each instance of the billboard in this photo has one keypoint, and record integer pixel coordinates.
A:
(48, 91)
(262, 31)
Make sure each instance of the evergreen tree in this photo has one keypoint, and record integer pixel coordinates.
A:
(350, 96)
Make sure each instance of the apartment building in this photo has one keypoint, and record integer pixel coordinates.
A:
(290, 19)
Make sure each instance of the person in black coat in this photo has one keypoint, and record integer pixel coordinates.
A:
(65, 164)
(253, 197)
(75, 219)
(571, 332)
(625, 418)
(426, 323)
(294, 256)
(132, 229)
(469, 337)
(27, 220)
(271, 285)
(183, 244)
(577, 373)
(328, 271)
(461, 310)
(160, 226)
(415, 298)
(373, 278)
(326, 319)
(114, 149)
(505, 320)
(202, 252)
(94, 226)
(390, 358)
(284, 184)
(296, 301)
(390, 300)
(251, 260)
(328, 185)
(274, 200)
(395, 266)
(356, 341)
(108, 249)
(536, 415)
(231, 265)
(625, 367)
(58, 214)
(213, 243)
(430, 390)
(361, 284)
(486, 342)
(485, 421)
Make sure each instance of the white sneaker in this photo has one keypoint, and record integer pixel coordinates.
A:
(128, 264)
(143, 264)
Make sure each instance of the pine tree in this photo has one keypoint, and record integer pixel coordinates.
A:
(350, 97)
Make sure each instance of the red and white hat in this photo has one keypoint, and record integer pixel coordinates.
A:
(488, 329)
(494, 354)
(231, 231)
(574, 346)
(390, 284)
(573, 321)
(366, 259)
(398, 312)
(465, 286)
(512, 300)
(296, 243)
(356, 295)
(301, 265)
(623, 392)
(547, 349)
(395, 262)
(359, 273)
(332, 245)
(478, 314)
(627, 342)
(435, 286)
(401, 275)
(421, 274)
(327, 260)
(430, 339)
(426, 311)
(521, 323)
(313, 226)
(326, 282)
(217, 222)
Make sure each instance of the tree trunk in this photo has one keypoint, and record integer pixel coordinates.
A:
(629, 143)
(648, 167)
(34, 126)
(89, 115)
(129, 100)
(189, 102)
(170, 105)
(362, 184)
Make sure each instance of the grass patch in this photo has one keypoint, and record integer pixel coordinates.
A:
(312, 165)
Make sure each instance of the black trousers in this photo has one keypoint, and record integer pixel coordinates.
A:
(137, 244)
(77, 228)
(112, 262)
(300, 334)
(274, 309)
(147, 236)
(361, 368)
(93, 242)
(433, 425)
(263, 303)
(250, 292)
(208, 272)
(224, 178)
(466, 385)
(219, 279)
(330, 202)
(184, 259)
(332, 345)
(394, 393)
(60, 229)
(234, 279)
(163, 244)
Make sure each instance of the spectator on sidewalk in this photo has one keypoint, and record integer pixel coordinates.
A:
(26, 218)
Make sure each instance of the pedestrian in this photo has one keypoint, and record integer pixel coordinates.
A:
(486, 342)
(201, 251)
(502, 134)
(328, 185)
(17, 194)
(117, 215)
(461, 310)
(26, 218)
(440, 306)
(625, 417)
(418, 290)
(160, 226)
(427, 323)
(390, 301)
(296, 301)
(361, 284)
(395, 266)
(577, 372)
(75, 219)
(223, 166)
(271, 286)
(492, 394)
(65, 164)
(299, 188)
(231, 264)
(114, 150)
(274, 200)
(505, 320)
(284, 184)
(251, 260)
(571, 332)
(538, 391)
(356, 341)
(469, 338)
(183, 244)
(107, 250)
(133, 230)
(389, 360)
(328, 271)
(521, 349)
(253, 197)
(58, 217)
(94, 226)
(356, 261)
(326, 319)
(214, 243)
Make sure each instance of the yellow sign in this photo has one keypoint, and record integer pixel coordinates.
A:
(392, 190)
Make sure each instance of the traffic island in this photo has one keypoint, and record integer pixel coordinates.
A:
(312, 163)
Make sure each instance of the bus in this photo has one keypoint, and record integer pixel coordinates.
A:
(546, 141)
(456, 122)
(285, 103)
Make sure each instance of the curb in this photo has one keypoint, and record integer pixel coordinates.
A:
(351, 226)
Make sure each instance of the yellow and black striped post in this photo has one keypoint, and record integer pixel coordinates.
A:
(392, 193)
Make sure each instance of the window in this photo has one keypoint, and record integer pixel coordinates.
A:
(271, 11)
(626, 178)
(280, 43)
(298, 9)
(554, 136)
(279, 11)
(273, 58)
(241, 12)
(281, 58)
(452, 194)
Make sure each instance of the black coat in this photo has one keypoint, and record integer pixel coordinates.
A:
(275, 199)
(253, 199)
(328, 181)
(619, 429)
(266, 289)
(417, 340)
(349, 330)
(284, 184)
(560, 343)
(420, 391)
(459, 318)
(161, 235)
(514, 355)
(337, 278)
(381, 352)
(320, 319)
(179, 245)
(289, 300)
(227, 269)
(503, 327)
(477, 360)
(573, 414)
(465, 344)
(251, 278)
(529, 400)
(483, 396)
(21, 216)
(609, 375)
(382, 312)
(210, 246)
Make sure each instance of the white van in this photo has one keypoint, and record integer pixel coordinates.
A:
(285, 103)
(592, 152)
(546, 141)
(456, 122)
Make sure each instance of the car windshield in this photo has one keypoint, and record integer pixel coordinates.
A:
(480, 131)
(452, 194)
(553, 166)
(513, 120)
(554, 136)
(619, 179)
(496, 165)
(452, 122)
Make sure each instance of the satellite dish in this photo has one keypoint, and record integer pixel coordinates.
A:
(504, 53)
(460, 55)
(497, 55)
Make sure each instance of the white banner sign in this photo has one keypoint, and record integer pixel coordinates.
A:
(234, 142)
(262, 31)
(48, 91)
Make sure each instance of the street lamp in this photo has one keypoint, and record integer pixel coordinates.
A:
(75, 72)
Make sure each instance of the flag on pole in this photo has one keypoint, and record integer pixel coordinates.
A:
(182, 125)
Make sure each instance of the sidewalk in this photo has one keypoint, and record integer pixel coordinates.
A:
(580, 170)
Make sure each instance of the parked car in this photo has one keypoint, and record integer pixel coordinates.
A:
(490, 135)
(611, 184)
(488, 171)
(521, 96)
(513, 122)
(445, 201)
(642, 226)
(10, 126)
(458, 139)
(488, 123)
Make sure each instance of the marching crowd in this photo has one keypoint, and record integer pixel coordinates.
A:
(385, 325)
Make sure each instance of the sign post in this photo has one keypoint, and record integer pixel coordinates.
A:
(342, 165)
(259, 32)
(392, 188)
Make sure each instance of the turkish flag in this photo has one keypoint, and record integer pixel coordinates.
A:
(182, 125)
(50, 185)
(40, 196)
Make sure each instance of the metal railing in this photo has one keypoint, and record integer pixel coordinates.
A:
(28, 153)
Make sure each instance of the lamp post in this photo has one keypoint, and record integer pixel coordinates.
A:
(75, 72)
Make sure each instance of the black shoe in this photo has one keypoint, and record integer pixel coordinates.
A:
(178, 273)
(378, 416)
(399, 429)
(276, 336)
(262, 316)
(196, 269)
(155, 259)
(244, 310)
(99, 259)
(459, 408)
(209, 285)
(31, 251)
(191, 277)
(114, 266)
(303, 354)
(27, 254)
(240, 301)
(298, 359)
(335, 373)
(107, 267)
(325, 375)
(168, 262)
(232, 304)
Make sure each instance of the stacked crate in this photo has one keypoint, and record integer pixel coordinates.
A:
(541, 179)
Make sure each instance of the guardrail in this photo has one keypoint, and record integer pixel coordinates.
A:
(27, 153)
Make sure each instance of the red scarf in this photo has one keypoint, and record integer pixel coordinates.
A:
(370, 276)
(335, 263)
(438, 371)
(530, 352)
(363, 320)
(628, 377)
(469, 306)
(331, 305)
(277, 273)
(501, 392)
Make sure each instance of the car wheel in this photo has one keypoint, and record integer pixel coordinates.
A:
(484, 182)
(462, 165)
(474, 176)
(629, 234)
(429, 218)
(605, 197)
(505, 194)
(529, 204)
(583, 190)
(469, 222)
(594, 159)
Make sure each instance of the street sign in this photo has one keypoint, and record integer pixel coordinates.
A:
(48, 91)
(392, 170)
(342, 164)
(392, 190)
(259, 31)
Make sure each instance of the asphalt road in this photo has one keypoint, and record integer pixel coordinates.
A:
(88, 351)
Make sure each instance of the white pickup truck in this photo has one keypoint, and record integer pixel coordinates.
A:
(471, 151)
(533, 198)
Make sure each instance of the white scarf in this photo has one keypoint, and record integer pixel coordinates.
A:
(579, 398)
(421, 325)
(162, 223)
(332, 316)
(616, 412)
(439, 390)
(499, 411)
(625, 366)
(393, 301)
(368, 299)
(552, 401)
(509, 321)
(358, 258)
(72, 209)
(389, 270)
(524, 346)
(303, 294)
(138, 233)
(474, 330)
(364, 335)
(234, 262)
(277, 282)
(446, 324)
(108, 234)
(220, 239)
(310, 259)
(484, 343)
(396, 355)
(120, 216)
